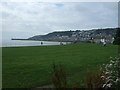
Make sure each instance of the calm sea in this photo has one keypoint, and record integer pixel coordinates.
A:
(17, 43)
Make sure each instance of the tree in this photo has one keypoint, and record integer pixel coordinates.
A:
(117, 37)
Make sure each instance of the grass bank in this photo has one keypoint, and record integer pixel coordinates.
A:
(31, 66)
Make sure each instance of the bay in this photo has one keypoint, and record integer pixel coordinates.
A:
(20, 43)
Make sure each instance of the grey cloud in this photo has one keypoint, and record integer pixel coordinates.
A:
(41, 18)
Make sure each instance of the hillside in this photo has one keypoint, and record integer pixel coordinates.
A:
(77, 35)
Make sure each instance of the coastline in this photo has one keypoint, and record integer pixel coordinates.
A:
(23, 43)
(27, 46)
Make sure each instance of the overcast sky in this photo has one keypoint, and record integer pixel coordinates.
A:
(26, 19)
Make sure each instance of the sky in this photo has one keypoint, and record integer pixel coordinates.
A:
(26, 19)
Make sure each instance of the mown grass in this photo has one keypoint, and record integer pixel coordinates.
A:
(26, 67)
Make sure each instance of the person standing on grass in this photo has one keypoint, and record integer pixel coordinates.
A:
(104, 43)
(41, 43)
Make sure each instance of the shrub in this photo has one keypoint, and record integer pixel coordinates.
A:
(117, 37)
(59, 79)
(107, 77)
(93, 80)
(112, 71)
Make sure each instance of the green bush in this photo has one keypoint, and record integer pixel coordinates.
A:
(117, 37)
(112, 71)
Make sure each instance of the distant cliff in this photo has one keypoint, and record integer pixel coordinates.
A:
(77, 35)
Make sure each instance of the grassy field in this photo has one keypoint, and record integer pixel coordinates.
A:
(31, 66)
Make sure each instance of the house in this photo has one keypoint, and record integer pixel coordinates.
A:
(102, 39)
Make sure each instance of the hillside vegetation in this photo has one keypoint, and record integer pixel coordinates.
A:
(78, 35)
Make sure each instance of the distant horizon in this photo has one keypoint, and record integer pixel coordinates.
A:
(87, 29)
(65, 31)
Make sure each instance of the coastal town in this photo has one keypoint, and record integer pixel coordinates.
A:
(87, 36)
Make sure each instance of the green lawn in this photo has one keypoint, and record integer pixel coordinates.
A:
(31, 66)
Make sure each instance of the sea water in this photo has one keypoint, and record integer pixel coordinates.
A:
(20, 43)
